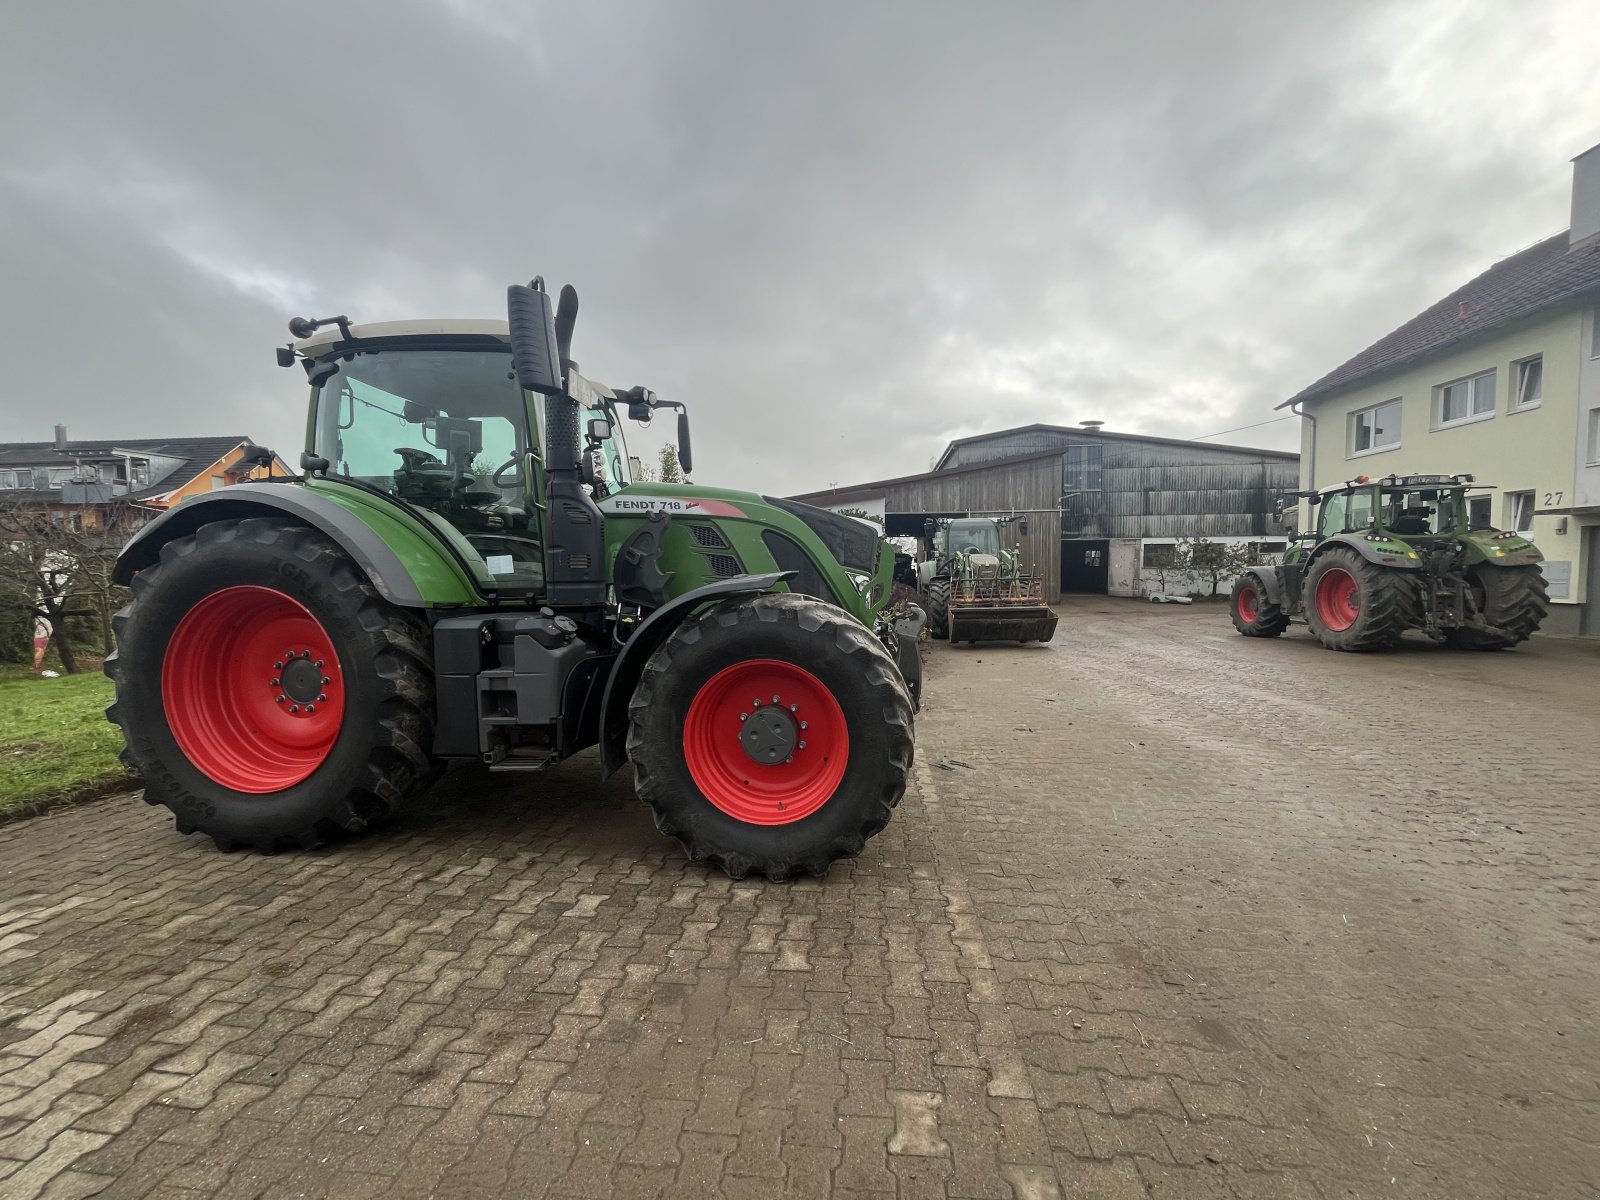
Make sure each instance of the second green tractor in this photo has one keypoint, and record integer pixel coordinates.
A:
(1390, 555)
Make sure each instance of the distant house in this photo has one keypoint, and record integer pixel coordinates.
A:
(1500, 379)
(86, 480)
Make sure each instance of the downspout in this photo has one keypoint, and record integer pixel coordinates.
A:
(1311, 465)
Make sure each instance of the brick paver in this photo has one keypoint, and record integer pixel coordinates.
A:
(1167, 913)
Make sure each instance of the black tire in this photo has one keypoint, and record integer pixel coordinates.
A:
(845, 659)
(379, 753)
(1515, 600)
(1385, 602)
(1253, 614)
(939, 609)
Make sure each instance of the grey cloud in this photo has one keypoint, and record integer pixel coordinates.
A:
(844, 232)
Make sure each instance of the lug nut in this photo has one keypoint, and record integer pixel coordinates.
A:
(744, 716)
(802, 745)
(277, 666)
(318, 666)
(294, 708)
(794, 708)
(279, 699)
(775, 700)
(305, 654)
(273, 682)
(326, 681)
(755, 704)
(311, 708)
(804, 724)
(322, 697)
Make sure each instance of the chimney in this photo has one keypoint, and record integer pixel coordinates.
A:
(61, 437)
(1585, 199)
(1092, 426)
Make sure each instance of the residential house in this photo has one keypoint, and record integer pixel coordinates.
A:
(85, 481)
(1499, 379)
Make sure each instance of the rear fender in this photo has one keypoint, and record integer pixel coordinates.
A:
(646, 639)
(1392, 554)
(395, 581)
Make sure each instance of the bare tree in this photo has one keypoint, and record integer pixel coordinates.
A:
(54, 566)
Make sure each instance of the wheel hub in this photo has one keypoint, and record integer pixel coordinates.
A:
(769, 735)
(301, 680)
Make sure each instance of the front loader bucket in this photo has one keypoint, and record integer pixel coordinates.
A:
(1001, 623)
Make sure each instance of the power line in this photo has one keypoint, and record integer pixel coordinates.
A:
(1257, 425)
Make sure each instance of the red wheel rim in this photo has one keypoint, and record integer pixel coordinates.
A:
(252, 689)
(727, 735)
(1338, 599)
(1248, 612)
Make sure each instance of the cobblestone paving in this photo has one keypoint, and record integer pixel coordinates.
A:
(1168, 913)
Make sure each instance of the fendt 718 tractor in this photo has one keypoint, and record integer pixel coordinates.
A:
(1394, 554)
(975, 587)
(467, 570)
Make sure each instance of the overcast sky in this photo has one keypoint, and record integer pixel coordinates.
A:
(843, 232)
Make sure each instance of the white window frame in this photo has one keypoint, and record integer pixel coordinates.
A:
(1355, 422)
(1473, 414)
(1511, 507)
(1519, 383)
(1594, 437)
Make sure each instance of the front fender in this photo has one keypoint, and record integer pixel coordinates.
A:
(636, 651)
(422, 582)
(1270, 582)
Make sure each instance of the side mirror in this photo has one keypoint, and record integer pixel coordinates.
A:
(685, 454)
(535, 358)
(599, 429)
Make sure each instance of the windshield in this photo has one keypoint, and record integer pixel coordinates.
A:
(979, 537)
(447, 432)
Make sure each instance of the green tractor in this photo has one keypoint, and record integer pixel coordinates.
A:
(468, 570)
(1394, 554)
(975, 587)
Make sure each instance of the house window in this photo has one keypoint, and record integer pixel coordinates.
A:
(1519, 512)
(1376, 428)
(139, 472)
(1479, 512)
(16, 479)
(1468, 399)
(1594, 436)
(1530, 383)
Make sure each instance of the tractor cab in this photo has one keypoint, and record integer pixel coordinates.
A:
(1399, 507)
(431, 415)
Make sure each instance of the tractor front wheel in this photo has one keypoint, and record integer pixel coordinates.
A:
(1513, 600)
(939, 609)
(267, 694)
(1254, 615)
(1352, 604)
(771, 734)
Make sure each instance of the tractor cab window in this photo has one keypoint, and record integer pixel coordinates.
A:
(977, 537)
(1360, 514)
(1331, 519)
(1427, 510)
(447, 432)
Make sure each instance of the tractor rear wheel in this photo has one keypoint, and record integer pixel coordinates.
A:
(1515, 600)
(1352, 604)
(771, 734)
(267, 694)
(1254, 615)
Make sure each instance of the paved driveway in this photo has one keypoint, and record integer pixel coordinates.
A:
(1168, 913)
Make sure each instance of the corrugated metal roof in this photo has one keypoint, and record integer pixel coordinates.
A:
(1091, 435)
(1543, 276)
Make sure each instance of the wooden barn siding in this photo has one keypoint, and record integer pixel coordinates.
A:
(1035, 485)
(1133, 452)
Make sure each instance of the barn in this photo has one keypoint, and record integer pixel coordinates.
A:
(1101, 507)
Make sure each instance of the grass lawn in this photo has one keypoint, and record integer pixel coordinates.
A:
(55, 740)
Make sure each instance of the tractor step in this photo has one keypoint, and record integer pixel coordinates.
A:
(523, 760)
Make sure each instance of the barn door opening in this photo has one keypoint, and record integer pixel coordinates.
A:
(1085, 568)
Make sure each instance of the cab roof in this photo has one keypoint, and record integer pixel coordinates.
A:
(329, 335)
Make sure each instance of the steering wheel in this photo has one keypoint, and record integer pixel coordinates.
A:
(414, 458)
(512, 480)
